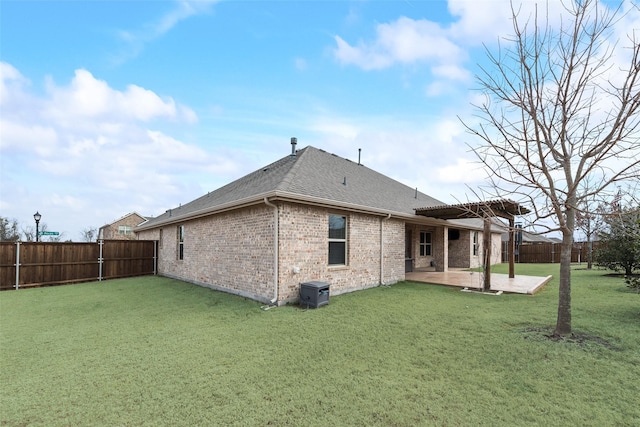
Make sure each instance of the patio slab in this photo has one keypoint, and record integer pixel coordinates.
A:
(474, 280)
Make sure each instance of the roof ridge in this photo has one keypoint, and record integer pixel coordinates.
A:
(286, 181)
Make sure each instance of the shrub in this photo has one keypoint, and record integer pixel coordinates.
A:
(633, 283)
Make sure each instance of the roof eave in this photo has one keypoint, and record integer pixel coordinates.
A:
(287, 197)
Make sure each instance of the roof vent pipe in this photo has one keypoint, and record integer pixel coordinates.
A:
(294, 141)
(359, 151)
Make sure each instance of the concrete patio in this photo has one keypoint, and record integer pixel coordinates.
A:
(474, 280)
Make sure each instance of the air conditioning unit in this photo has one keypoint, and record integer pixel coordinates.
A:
(314, 294)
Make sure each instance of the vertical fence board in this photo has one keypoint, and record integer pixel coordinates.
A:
(53, 263)
(550, 252)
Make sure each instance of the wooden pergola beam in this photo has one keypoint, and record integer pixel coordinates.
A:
(504, 208)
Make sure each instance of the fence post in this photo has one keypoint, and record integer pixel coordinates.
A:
(155, 257)
(17, 265)
(100, 260)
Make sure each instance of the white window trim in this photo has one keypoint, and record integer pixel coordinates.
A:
(180, 243)
(425, 245)
(345, 241)
(475, 244)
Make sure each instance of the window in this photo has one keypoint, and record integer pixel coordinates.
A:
(475, 243)
(337, 240)
(124, 230)
(425, 243)
(181, 242)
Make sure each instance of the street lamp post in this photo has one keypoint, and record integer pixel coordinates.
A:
(37, 217)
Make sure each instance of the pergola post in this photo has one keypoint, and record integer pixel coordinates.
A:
(511, 249)
(486, 243)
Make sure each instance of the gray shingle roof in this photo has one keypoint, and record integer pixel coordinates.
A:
(311, 173)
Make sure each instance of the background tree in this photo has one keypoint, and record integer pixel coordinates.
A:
(29, 233)
(590, 220)
(621, 242)
(562, 109)
(9, 230)
(89, 234)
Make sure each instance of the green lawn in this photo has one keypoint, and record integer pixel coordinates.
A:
(154, 351)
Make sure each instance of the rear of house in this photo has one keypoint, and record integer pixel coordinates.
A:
(310, 216)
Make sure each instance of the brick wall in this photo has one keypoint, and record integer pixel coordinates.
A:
(460, 250)
(422, 261)
(234, 251)
(110, 232)
(304, 250)
(440, 256)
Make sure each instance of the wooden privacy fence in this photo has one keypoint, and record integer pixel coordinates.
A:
(28, 264)
(549, 252)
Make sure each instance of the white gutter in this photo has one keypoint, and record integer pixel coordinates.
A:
(382, 220)
(275, 250)
(292, 197)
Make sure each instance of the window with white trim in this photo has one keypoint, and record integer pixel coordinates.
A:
(125, 230)
(425, 243)
(337, 240)
(180, 241)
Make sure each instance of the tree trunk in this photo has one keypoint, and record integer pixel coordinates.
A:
(563, 324)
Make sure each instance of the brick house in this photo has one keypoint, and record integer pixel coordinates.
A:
(122, 228)
(310, 216)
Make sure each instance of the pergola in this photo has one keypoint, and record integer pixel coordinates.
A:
(504, 208)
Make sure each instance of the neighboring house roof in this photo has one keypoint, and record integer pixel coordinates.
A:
(477, 224)
(144, 219)
(310, 176)
(497, 226)
(529, 238)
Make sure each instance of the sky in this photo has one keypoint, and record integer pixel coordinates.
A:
(112, 107)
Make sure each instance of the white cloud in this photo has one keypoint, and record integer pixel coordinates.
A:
(462, 171)
(41, 140)
(136, 39)
(404, 41)
(85, 152)
(87, 98)
(10, 75)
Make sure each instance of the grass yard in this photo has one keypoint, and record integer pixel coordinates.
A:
(154, 351)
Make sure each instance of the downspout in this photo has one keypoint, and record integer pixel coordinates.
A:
(382, 248)
(275, 250)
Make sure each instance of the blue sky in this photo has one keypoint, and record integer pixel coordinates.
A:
(110, 107)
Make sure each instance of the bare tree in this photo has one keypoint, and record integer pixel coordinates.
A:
(562, 109)
(590, 219)
(29, 233)
(9, 230)
(89, 234)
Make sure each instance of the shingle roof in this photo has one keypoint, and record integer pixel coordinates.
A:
(310, 174)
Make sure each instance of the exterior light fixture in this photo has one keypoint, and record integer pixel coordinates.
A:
(37, 217)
